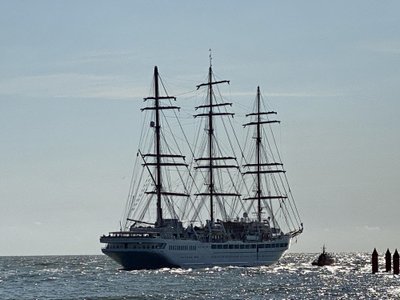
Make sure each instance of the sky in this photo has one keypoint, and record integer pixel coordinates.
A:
(73, 75)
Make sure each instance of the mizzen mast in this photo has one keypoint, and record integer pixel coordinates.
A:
(259, 162)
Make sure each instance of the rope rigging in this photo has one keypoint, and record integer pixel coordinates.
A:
(192, 177)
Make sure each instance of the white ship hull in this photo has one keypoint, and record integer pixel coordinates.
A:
(153, 253)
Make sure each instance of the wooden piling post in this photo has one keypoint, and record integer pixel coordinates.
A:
(388, 260)
(396, 262)
(374, 261)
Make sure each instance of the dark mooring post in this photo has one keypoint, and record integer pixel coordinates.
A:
(396, 262)
(388, 260)
(374, 261)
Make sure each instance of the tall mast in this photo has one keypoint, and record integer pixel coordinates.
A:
(211, 158)
(210, 143)
(258, 150)
(158, 155)
(157, 146)
(261, 166)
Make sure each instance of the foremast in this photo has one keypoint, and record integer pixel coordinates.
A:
(159, 156)
(211, 111)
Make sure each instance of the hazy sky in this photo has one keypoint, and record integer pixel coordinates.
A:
(73, 74)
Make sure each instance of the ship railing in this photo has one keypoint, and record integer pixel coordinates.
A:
(134, 233)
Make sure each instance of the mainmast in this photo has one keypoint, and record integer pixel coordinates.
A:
(210, 143)
(259, 162)
(211, 158)
(158, 155)
(258, 150)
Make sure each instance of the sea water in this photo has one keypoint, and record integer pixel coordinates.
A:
(97, 277)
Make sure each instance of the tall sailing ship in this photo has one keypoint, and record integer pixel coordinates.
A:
(208, 208)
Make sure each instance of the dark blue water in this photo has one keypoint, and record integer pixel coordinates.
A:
(97, 277)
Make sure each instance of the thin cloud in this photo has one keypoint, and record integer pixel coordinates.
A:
(368, 228)
(294, 94)
(77, 85)
(72, 85)
(372, 228)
